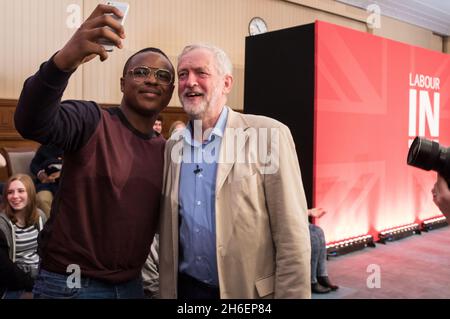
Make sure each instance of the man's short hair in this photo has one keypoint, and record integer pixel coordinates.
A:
(150, 49)
(222, 61)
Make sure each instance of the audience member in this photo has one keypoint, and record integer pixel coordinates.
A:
(2, 164)
(20, 223)
(320, 282)
(105, 215)
(158, 126)
(2, 161)
(46, 166)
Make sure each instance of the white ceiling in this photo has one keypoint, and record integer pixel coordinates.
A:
(430, 14)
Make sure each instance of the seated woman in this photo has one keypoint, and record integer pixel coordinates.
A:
(20, 223)
(320, 282)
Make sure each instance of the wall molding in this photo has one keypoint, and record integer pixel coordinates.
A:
(9, 137)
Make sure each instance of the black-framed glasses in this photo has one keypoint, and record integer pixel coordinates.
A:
(141, 73)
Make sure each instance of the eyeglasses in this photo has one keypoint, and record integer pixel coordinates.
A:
(141, 73)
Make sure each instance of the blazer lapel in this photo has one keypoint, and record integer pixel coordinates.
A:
(175, 165)
(235, 130)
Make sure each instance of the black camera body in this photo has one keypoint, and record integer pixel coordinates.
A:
(53, 166)
(51, 169)
(429, 155)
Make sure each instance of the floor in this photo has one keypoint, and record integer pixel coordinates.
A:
(410, 268)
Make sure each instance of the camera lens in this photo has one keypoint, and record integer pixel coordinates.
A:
(429, 155)
(424, 154)
(413, 151)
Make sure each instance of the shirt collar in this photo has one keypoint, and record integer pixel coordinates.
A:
(217, 131)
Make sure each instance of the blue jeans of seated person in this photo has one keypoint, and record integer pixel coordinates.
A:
(17, 294)
(49, 285)
(13, 294)
(318, 253)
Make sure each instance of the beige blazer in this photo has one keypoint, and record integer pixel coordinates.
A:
(262, 236)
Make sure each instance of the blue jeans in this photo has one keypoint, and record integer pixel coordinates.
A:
(318, 253)
(13, 294)
(49, 285)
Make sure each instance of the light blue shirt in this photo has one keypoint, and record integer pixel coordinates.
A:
(197, 194)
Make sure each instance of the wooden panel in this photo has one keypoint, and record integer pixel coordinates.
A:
(7, 130)
(170, 115)
(9, 137)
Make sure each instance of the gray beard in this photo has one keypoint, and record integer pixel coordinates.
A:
(203, 107)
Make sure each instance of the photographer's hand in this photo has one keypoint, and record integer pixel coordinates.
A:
(441, 195)
(84, 44)
(54, 176)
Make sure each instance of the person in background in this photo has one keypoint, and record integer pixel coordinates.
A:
(2, 161)
(158, 126)
(230, 227)
(441, 195)
(106, 211)
(320, 282)
(20, 223)
(2, 164)
(46, 165)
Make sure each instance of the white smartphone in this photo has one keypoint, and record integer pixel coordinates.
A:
(123, 7)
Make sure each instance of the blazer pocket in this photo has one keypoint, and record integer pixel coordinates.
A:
(265, 286)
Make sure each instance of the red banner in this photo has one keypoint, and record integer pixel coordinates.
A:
(373, 96)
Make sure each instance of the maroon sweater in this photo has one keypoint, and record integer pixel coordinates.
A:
(105, 213)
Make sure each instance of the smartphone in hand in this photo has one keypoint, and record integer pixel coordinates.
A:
(123, 7)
